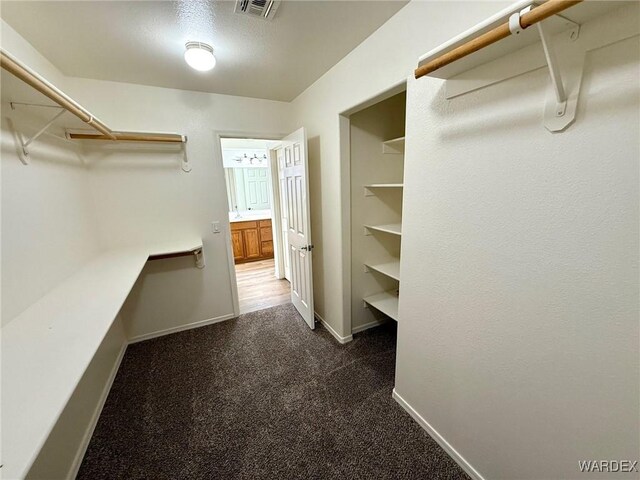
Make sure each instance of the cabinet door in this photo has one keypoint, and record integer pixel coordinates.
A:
(251, 243)
(267, 249)
(238, 248)
(266, 234)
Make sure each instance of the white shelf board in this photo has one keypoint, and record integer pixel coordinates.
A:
(386, 302)
(178, 246)
(392, 228)
(47, 348)
(579, 13)
(385, 185)
(395, 145)
(390, 269)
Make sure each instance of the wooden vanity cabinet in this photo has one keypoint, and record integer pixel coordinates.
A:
(252, 240)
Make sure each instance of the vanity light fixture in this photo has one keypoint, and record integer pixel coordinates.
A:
(199, 56)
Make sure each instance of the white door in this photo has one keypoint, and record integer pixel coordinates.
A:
(298, 242)
(256, 188)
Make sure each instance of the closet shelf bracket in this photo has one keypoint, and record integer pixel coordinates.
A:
(25, 143)
(560, 105)
(186, 166)
(197, 253)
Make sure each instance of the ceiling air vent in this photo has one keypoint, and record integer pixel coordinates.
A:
(264, 9)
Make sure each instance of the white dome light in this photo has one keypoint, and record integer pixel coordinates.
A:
(199, 56)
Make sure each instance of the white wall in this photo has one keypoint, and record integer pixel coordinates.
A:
(141, 195)
(382, 61)
(518, 332)
(48, 230)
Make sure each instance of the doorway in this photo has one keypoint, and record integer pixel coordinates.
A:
(269, 173)
(253, 201)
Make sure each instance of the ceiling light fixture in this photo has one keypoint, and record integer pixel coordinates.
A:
(199, 56)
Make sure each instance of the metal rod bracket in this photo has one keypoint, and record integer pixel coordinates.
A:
(561, 104)
(515, 27)
(185, 165)
(199, 254)
(29, 141)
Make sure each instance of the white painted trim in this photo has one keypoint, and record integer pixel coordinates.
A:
(345, 213)
(339, 338)
(433, 433)
(180, 328)
(367, 326)
(77, 460)
(276, 216)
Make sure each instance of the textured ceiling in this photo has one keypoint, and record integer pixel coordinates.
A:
(143, 41)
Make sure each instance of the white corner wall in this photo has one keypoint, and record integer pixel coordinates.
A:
(381, 62)
(48, 230)
(141, 195)
(518, 332)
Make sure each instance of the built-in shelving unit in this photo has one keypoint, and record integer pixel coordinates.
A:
(392, 228)
(377, 144)
(386, 302)
(393, 146)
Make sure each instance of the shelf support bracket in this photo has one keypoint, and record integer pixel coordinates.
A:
(560, 108)
(29, 141)
(199, 254)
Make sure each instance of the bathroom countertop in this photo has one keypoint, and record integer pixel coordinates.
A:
(249, 216)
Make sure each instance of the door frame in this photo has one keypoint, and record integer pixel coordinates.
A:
(279, 249)
(344, 126)
(225, 225)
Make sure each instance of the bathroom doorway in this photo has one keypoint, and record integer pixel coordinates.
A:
(262, 269)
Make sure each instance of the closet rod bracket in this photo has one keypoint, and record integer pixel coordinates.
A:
(185, 165)
(561, 104)
(29, 141)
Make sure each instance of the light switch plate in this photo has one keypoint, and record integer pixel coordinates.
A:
(215, 226)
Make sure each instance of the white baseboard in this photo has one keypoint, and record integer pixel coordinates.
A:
(446, 446)
(180, 328)
(339, 338)
(77, 461)
(369, 325)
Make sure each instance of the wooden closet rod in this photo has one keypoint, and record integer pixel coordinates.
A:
(535, 15)
(131, 137)
(31, 78)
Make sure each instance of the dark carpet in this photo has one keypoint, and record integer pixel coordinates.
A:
(261, 397)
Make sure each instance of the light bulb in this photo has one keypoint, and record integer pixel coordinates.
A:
(199, 56)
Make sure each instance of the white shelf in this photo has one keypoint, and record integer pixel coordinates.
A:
(386, 302)
(579, 13)
(47, 348)
(394, 146)
(370, 189)
(392, 228)
(390, 269)
(385, 185)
